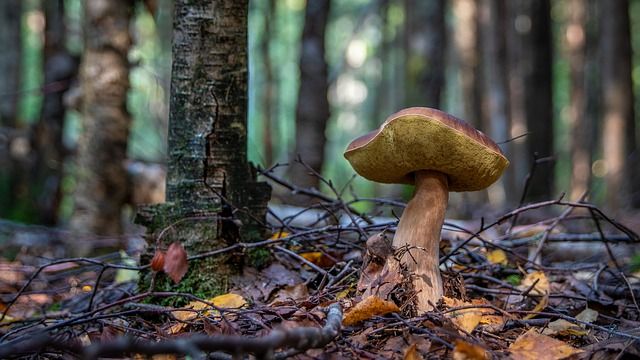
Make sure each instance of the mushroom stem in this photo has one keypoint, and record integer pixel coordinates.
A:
(419, 228)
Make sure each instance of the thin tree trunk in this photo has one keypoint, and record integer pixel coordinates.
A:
(466, 44)
(312, 111)
(618, 117)
(581, 138)
(466, 41)
(59, 70)
(101, 176)
(10, 61)
(269, 90)
(425, 50)
(538, 96)
(213, 199)
(495, 104)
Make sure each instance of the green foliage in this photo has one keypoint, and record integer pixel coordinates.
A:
(513, 279)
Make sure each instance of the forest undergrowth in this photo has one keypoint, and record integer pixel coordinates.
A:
(507, 294)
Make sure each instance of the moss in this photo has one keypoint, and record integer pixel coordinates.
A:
(259, 257)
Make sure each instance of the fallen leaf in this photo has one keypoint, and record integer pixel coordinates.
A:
(279, 235)
(175, 262)
(541, 286)
(534, 346)
(563, 327)
(318, 258)
(190, 311)
(588, 315)
(298, 291)
(466, 351)
(468, 319)
(367, 308)
(544, 301)
(497, 256)
(412, 353)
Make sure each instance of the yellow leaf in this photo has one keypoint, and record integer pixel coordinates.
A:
(497, 257)
(587, 315)
(87, 288)
(542, 284)
(190, 312)
(563, 327)
(466, 351)
(539, 307)
(279, 235)
(367, 308)
(468, 319)
(412, 353)
(534, 346)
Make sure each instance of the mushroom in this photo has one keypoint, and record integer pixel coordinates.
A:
(437, 153)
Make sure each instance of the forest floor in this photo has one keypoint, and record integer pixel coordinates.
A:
(577, 299)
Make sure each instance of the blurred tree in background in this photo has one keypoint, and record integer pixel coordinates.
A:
(555, 81)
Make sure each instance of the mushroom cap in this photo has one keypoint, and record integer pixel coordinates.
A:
(420, 138)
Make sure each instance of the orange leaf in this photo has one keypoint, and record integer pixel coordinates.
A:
(367, 308)
(412, 353)
(541, 286)
(534, 346)
(175, 262)
(318, 258)
(466, 351)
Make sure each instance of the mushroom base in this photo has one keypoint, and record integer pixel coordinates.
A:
(418, 236)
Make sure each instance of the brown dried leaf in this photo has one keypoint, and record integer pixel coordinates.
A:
(467, 351)
(367, 308)
(412, 353)
(534, 346)
(175, 262)
(468, 319)
(190, 311)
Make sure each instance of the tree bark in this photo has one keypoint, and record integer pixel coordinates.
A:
(495, 103)
(532, 107)
(59, 70)
(213, 199)
(312, 110)
(425, 46)
(102, 148)
(10, 61)
(269, 85)
(618, 117)
(466, 41)
(580, 128)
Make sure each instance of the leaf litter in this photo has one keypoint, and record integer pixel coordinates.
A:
(498, 304)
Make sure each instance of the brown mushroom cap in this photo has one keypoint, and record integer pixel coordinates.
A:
(421, 138)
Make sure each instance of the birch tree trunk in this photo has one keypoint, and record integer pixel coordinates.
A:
(213, 199)
(312, 110)
(102, 148)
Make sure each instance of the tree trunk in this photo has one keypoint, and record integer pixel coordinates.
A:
(269, 85)
(59, 69)
(580, 128)
(102, 148)
(618, 117)
(213, 199)
(425, 47)
(10, 61)
(466, 45)
(495, 104)
(532, 107)
(312, 111)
